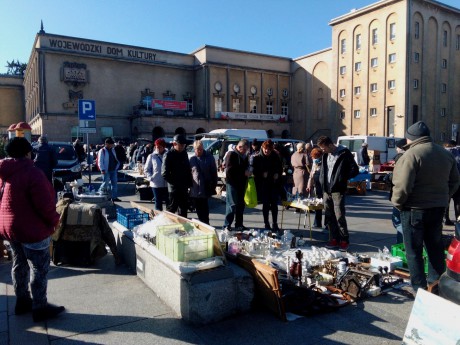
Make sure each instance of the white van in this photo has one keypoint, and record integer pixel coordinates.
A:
(386, 145)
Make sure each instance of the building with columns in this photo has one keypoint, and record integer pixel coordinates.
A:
(391, 63)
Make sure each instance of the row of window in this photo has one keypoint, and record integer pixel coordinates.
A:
(373, 113)
(374, 35)
(218, 106)
(374, 63)
(392, 37)
(391, 86)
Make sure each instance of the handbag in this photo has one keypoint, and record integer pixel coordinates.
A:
(250, 196)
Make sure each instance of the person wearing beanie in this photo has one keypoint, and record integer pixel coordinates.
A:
(363, 156)
(152, 170)
(422, 200)
(28, 218)
(451, 146)
(108, 165)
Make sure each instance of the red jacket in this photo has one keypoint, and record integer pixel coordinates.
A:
(28, 207)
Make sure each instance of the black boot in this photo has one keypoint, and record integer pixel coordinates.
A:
(23, 305)
(48, 312)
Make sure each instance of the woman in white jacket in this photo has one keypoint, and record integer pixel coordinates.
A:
(153, 173)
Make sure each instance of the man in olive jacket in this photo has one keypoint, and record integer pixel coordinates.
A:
(337, 167)
(424, 178)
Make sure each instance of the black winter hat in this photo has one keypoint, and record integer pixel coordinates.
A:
(180, 139)
(18, 147)
(417, 130)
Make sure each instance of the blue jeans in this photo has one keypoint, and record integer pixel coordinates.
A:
(110, 177)
(161, 195)
(334, 210)
(396, 220)
(34, 263)
(423, 228)
(234, 206)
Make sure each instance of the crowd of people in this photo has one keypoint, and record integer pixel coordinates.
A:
(322, 170)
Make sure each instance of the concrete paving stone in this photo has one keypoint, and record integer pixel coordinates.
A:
(358, 338)
(167, 330)
(23, 330)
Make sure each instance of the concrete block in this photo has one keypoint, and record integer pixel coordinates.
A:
(201, 297)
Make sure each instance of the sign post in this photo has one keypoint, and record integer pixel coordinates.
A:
(87, 114)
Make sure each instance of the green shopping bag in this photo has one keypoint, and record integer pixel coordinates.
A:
(250, 196)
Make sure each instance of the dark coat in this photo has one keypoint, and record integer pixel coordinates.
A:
(176, 170)
(45, 159)
(27, 207)
(204, 173)
(344, 169)
(271, 165)
(363, 156)
(235, 170)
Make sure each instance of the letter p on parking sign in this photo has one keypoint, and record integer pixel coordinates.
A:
(86, 110)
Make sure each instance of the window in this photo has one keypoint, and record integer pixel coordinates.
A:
(357, 114)
(236, 105)
(443, 112)
(444, 63)
(218, 104)
(269, 105)
(253, 106)
(415, 83)
(374, 87)
(374, 62)
(391, 84)
(375, 37)
(443, 87)
(444, 38)
(343, 46)
(343, 69)
(342, 115)
(342, 93)
(416, 30)
(373, 112)
(416, 57)
(189, 104)
(357, 66)
(392, 31)
(392, 58)
(358, 41)
(106, 132)
(284, 108)
(357, 90)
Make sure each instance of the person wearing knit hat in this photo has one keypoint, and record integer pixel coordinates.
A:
(417, 130)
(152, 171)
(28, 218)
(422, 200)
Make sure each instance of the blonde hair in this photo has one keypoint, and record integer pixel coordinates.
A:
(300, 147)
(197, 143)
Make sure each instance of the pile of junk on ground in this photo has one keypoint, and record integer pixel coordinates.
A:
(289, 274)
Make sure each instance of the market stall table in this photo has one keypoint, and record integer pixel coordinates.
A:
(301, 206)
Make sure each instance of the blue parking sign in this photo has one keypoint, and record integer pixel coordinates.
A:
(86, 110)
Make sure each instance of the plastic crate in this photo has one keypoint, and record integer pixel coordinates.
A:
(130, 217)
(400, 251)
(177, 243)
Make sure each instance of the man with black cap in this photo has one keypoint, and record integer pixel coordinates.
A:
(424, 178)
(28, 218)
(177, 172)
(108, 165)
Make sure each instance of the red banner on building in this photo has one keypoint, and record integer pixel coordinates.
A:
(173, 105)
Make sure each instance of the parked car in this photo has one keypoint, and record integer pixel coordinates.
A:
(68, 168)
(449, 284)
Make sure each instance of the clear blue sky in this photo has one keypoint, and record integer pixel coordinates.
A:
(289, 28)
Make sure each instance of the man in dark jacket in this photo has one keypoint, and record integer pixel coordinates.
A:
(176, 171)
(45, 158)
(28, 218)
(236, 173)
(424, 178)
(80, 150)
(337, 167)
(363, 156)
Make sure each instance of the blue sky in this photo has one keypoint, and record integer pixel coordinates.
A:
(289, 28)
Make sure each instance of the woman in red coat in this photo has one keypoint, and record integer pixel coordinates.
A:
(27, 219)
